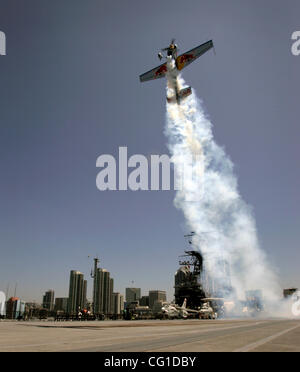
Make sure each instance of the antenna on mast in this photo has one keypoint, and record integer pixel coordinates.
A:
(7, 290)
(94, 276)
(93, 272)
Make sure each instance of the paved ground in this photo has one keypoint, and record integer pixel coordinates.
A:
(157, 335)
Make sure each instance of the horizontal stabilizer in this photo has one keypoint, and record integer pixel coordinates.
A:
(185, 92)
(181, 95)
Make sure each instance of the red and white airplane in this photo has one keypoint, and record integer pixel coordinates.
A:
(180, 62)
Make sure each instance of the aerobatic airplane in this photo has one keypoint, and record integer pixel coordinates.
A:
(179, 62)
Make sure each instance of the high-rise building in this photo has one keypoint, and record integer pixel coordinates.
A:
(144, 301)
(84, 294)
(111, 290)
(116, 302)
(15, 308)
(48, 300)
(121, 303)
(156, 295)
(77, 292)
(95, 286)
(133, 294)
(103, 292)
(61, 304)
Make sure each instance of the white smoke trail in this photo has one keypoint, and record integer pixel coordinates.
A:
(214, 204)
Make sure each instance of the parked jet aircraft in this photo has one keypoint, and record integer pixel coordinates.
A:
(170, 311)
(178, 312)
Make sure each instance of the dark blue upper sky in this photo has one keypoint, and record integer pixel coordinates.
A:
(70, 92)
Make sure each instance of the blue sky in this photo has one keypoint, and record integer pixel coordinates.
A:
(70, 92)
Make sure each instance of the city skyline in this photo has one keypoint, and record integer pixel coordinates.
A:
(49, 299)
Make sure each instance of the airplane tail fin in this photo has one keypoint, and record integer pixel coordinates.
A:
(185, 92)
(184, 304)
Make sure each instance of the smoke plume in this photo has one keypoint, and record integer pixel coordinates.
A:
(225, 229)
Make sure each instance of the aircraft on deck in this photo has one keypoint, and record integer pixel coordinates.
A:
(172, 311)
(169, 311)
(173, 69)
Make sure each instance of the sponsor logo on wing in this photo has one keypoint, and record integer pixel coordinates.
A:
(186, 58)
(161, 70)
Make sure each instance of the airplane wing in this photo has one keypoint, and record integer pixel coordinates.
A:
(156, 73)
(192, 311)
(185, 59)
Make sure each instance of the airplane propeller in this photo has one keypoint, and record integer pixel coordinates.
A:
(167, 48)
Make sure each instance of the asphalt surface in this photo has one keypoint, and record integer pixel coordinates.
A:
(273, 335)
